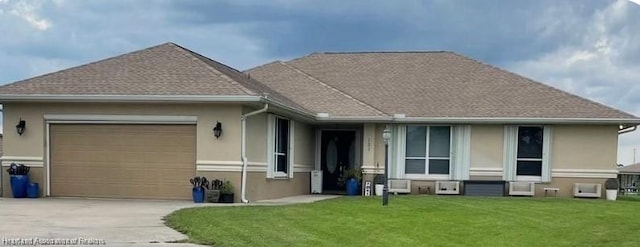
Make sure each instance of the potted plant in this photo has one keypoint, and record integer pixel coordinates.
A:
(226, 193)
(19, 179)
(212, 190)
(198, 191)
(351, 178)
(611, 185)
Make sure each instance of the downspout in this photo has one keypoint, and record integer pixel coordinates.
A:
(623, 130)
(243, 152)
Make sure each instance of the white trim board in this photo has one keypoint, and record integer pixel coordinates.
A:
(92, 118)
(584, 173)
(372, 170)
(30, 161)
(228, 162)
(22, 158)
(255, 167)
(486, 171)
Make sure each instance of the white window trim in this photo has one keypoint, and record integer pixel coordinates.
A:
(271, 148)
(401, 155)
(511, 156)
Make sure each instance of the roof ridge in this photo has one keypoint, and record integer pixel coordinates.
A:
(546, 85)
(199, 59)
(357, 101)
(374, 52)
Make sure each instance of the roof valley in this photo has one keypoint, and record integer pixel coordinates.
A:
(357, 101)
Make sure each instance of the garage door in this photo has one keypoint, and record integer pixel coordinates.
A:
(122, 161)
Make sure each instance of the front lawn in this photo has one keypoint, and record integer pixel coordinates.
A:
(417, 221)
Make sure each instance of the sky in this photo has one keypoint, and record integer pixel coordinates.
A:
(588, 48)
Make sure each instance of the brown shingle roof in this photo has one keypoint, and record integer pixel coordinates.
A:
(166, 69)
(630, 169)
(369, 84)
(434, 84)
(312, 94)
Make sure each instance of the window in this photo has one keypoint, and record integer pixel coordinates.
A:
(529, 153)
(280, 147)
(281, 154)
(428, 150)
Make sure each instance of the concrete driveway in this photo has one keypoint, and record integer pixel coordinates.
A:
(117, 222)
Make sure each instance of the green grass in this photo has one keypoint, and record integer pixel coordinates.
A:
(417, 221)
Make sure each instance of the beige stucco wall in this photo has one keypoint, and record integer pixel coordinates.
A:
(304, 145)
(256, 137)
(209, 150)
(261, 188)
(32, 142)
(576, 150)
(487, 145)
(257, 143)
(584, 147)
(379, 147)
(369, 145)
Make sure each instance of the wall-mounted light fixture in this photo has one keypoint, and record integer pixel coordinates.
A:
(22, 125)
(217, 131)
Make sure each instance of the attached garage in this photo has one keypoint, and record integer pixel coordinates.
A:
(122, 161)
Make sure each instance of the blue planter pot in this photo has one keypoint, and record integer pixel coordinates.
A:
(19, 185)
(198, 195)
(353, 187)
(33, 190)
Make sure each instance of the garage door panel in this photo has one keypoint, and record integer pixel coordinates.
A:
(121, 191)
(149, 158)
(126, 174)
(124, 148)
(122, 161)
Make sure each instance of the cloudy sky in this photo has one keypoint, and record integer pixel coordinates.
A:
(589, 48)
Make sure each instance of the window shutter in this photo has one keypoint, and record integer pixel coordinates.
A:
(546, 153)
(291, 153)
(509, 153)
(397, 150)
(271, 128)
(461, 152)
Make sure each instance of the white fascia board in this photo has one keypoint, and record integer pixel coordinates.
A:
(128, 98)
(381, 119)
(120, 118)
(471, 120)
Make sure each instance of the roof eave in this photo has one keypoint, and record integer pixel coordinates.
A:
(500, 120)
(480, 120)
(4, 98)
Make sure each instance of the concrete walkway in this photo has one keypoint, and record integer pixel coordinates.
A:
(117, 222)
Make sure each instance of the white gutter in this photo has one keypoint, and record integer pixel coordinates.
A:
(471, 120)
(306, 115)
(128, 98)
(243, 152)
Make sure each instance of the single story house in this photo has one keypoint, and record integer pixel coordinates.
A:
(141, 124)
(629, 177)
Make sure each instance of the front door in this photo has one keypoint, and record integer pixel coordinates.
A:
(338, 152)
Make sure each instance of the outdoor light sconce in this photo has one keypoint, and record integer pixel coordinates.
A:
(21, 126)
(217, 131)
